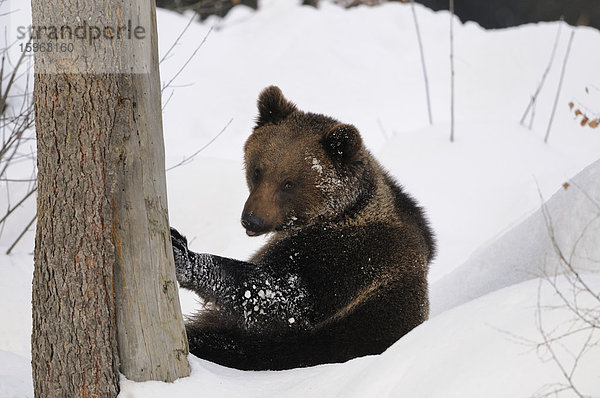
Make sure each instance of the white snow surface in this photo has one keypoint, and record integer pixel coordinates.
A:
(485, 348)
(482, 192)
(569, 222)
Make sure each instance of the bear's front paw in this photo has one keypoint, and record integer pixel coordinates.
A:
(179, 241)
(180, 254)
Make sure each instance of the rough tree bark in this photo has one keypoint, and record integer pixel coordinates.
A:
(104, 283)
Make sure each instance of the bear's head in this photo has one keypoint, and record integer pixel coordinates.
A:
(301, 168)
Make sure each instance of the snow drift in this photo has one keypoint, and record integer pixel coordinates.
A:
(569, 221)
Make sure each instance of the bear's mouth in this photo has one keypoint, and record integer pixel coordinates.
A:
(252, 233)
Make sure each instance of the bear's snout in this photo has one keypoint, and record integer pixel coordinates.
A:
(252, 223)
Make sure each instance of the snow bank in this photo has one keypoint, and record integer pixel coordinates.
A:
(571, 216)
(483, 348)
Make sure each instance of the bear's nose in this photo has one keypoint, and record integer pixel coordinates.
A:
(251, 222)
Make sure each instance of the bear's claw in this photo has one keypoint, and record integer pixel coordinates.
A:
(180, 252)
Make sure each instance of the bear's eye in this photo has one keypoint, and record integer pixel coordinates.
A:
(256, 174)
(287, 186)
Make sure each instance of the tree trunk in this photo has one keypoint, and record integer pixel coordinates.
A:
(104, 283)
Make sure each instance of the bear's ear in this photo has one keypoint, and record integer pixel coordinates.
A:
(343, 142)
(273, 107)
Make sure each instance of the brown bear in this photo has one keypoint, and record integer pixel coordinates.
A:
(344, 273)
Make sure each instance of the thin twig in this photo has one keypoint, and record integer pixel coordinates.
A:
(451, 71)
(12, 78)
(178, 38)
(414, 12)
(382, 129)
(16, 121)
(21, 234)
(191, 157)
(2, 101)
(547, 344)
(557, 249)
(18, 128)
(585, 321)
(531, 105)
(188, 60)
(11, 209)
(560, 82)
(532, 115)
(17, 179)
(168, 100)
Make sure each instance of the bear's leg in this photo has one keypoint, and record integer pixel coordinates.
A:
(257, 297)
(237, 348)
(203, 273)
(225, 346)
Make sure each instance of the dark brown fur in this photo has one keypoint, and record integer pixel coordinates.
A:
(349, 252)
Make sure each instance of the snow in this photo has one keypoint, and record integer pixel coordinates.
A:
(482, 192)
(16, 273)
(315, 165)
(572, 214)
(483, 348)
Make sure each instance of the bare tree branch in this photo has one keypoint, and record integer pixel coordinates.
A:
(532, 101)
(21, 234)
(451, 70)
(188, 60)
(12, 209)
(190, 158)
(16, 129)
(420, 41)
(574, 337)
(194, 16)
(560, 82)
